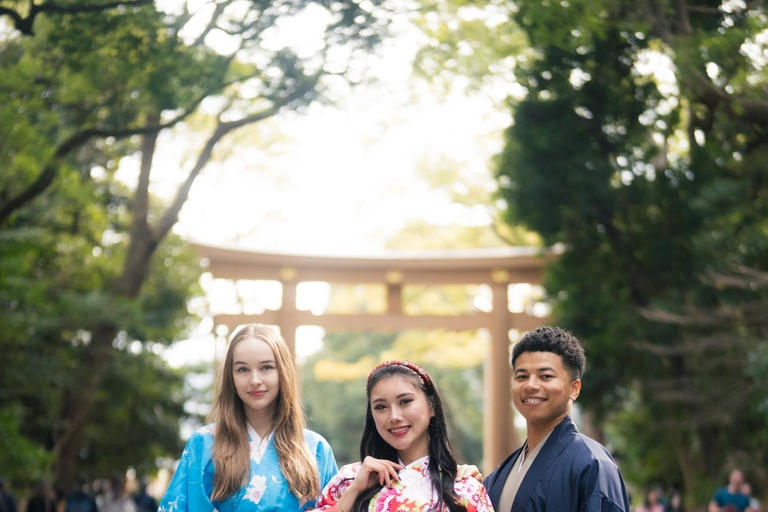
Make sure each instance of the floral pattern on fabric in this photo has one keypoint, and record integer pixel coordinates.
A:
(255, 489)
(413, 492)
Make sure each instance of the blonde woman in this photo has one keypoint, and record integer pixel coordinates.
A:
(257, 456)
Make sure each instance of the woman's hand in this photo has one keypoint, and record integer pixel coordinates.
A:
(467, 471)
(373, 471)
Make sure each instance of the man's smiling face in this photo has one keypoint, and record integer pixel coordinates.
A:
(542, 388)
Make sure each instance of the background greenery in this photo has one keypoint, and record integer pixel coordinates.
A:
(638, 145)
(93, 282)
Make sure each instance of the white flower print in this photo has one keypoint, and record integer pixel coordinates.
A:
(255, 489)
(170, 507)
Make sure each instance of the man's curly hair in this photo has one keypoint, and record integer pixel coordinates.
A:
(555, 340)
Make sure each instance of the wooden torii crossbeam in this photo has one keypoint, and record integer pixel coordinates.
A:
(497, 268)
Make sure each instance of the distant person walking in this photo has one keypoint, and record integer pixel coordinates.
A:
(117, 499)
(651, 502)
(42, 499)
(676, 502)
(7, 501)
(754, 503)
(145, 502)
(730, 498)
(80, 500)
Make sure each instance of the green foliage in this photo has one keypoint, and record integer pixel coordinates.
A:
(92, 283)
(467, 38)
(583, 167)
(51, 287)
(135, 418)
(22, 460)
(639, 145)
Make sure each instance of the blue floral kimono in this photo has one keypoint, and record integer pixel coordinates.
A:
(267, 489)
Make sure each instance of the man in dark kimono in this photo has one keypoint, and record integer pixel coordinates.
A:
(558, 469)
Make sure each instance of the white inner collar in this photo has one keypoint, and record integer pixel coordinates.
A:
(258, 444)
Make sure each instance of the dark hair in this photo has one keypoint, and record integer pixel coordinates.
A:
(555, 340)
(442, 462)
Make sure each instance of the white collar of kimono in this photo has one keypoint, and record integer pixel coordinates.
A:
(258, 444)
(422, 462)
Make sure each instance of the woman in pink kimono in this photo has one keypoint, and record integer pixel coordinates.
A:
(407, 461)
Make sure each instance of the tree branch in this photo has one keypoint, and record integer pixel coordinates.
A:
(683, 24)
(751, 110)
(736, 107)
(142, 244)
(697, 345)
(50, 171)
(16, 17)
(218, 11)
(24, 25)
(750, 279)
(141, 199)
(667, 317)
(74, 9)
(172, 214)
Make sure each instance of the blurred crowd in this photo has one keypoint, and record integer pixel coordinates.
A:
(100, 495)
(736, 496)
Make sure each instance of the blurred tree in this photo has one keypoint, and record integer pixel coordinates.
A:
(90, 85)
(469, 189)
(23, 13)
(638, 142)
(52, 271)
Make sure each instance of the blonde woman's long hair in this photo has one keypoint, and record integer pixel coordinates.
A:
(231, 449)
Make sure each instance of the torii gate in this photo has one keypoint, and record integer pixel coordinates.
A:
(497, 268)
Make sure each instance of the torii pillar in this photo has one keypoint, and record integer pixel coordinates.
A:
(499, 436)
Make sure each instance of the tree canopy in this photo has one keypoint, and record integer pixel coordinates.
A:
(638, 143)
(94, 282)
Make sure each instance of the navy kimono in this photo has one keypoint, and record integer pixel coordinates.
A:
(571, 473)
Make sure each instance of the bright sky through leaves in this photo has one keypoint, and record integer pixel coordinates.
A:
(338, 178)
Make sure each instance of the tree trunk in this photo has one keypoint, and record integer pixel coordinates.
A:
(688, 467)
(78, 401)
(77, 404)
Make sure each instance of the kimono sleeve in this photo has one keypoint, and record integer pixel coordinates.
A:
(598, 502)
(326, 463)
(335, 488)
(473, 495)
(185, 492)
(603, 488)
